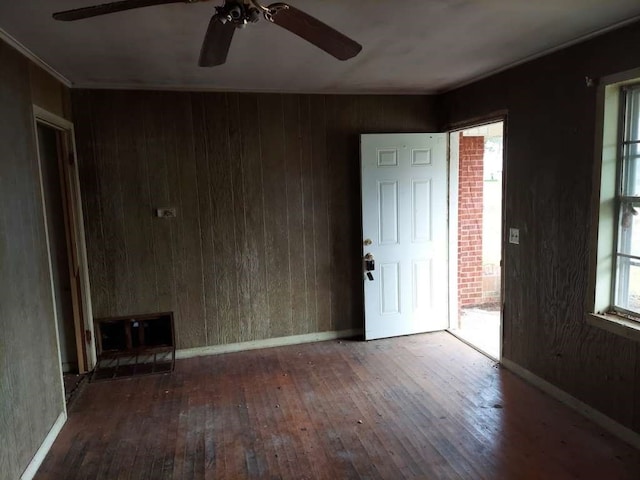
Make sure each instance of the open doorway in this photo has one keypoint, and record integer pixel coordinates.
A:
(476, 178)
(65, 241)
(49, 150)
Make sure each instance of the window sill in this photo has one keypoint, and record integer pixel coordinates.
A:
(615, 324)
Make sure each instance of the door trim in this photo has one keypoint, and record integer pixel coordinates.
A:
(501, 116)
(87, 360)
(452, 218)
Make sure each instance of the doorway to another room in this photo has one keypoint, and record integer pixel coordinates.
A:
(476, 249)
(65, 241)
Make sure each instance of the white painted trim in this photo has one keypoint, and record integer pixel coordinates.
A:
(205, 88)
(615, 324)
(59, 123)
(267, 343)
(454, 183)
(51, 118)
(454, 179)
(4, 35)
(49, 262)
(92, 354)
(42, 452)
(543, 53)
(591, 413)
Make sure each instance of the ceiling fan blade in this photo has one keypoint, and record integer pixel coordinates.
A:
(105, 8)
(217, 41)
(314, 31)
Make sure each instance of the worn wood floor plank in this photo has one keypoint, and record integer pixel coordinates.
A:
(425, 406)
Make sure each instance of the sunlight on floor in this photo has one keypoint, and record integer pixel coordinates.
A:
(481, 328)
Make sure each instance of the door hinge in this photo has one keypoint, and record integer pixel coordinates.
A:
(87, 336)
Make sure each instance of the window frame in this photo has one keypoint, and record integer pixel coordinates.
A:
(605, 220)
(624, 198)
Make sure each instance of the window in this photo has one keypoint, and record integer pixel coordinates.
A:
(613, 302)
(626, 281)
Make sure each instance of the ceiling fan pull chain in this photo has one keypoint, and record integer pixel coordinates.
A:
(259, 6)
(273, 9)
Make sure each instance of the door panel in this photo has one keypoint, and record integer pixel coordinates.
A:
(390, 288)
(388, 213)
(404, 214)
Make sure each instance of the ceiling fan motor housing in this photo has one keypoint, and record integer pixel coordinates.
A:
(237, 12)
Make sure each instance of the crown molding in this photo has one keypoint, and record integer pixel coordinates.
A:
(197, 88)
(543, 53)
(34, 58)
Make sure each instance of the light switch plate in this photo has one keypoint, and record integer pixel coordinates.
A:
(514, 236)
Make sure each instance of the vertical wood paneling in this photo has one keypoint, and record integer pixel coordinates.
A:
(636, 391)
(132, 160)
(89, 172)
(158, 138)
(292, 173)
(338, 189)
(47, 92)
(31, 396)
(239, 218)
(118, 278)
(321, 239)
(549, 176)
(308, 215)
(251, 152)
(188, 263)
(266, 241)
(204, 165)
(225, 206)
(272, 133)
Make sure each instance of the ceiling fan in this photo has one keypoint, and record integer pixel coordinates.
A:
(235, 14)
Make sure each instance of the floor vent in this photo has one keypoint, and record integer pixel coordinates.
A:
(134, 345)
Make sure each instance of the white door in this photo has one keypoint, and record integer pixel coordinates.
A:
(404, 225)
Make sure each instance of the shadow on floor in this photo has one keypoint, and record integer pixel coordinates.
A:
(73, 383)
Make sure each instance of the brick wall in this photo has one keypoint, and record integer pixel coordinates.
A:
(470, 203)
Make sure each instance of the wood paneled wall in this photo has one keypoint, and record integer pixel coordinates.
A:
(31, 396)
(48, 93)
(267, 238)
(549, 164)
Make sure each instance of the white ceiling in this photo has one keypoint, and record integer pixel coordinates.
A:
(410, 46)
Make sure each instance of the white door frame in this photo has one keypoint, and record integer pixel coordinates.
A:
(454, 171)
(52, 120)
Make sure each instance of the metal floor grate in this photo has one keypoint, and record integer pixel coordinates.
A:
(122, 366)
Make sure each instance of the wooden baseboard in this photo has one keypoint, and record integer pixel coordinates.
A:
(613, 427)
(267, 343)
(37, 459)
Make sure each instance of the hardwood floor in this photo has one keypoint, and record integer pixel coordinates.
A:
(425, 406)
